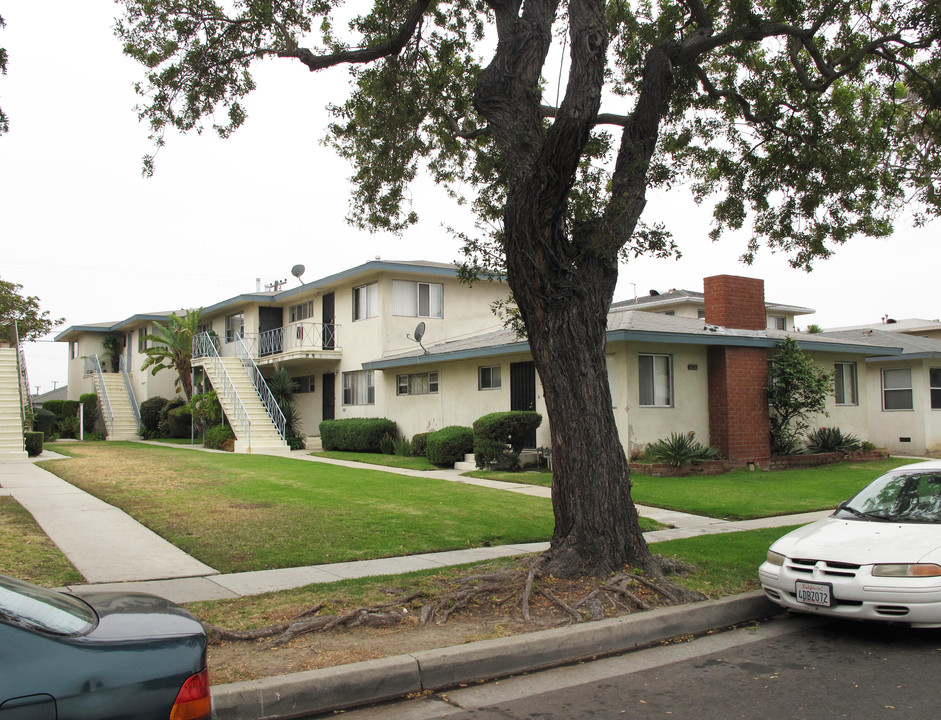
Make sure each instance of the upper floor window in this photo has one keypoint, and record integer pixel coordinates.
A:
(897, 389)
(142, 339)
(845, 376)
(777, 323)
(359, 388)
(366, 301)
(417, 299)
(203, 328)
(296, 313)
(73, 350)
(489, 378)
(655, 380)
(234, 327)
(934, 381)
(418, 384)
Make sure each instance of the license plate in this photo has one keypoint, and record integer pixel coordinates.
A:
(809, 593)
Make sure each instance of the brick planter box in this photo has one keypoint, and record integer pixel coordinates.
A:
(700, 467)
(787, 462)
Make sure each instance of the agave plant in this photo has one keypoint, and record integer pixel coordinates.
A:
(681, 449)
(826, 439)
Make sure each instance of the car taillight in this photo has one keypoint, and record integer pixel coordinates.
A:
(193, 702)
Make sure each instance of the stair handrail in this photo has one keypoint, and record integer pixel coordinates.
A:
(26, 401)
(204, 346)
(261, 387)
(135, 408)
(93, 364)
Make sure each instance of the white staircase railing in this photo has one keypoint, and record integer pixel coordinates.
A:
(261, 387)
(204, 346)
(135, 408)
(26, 400)
(93, 365)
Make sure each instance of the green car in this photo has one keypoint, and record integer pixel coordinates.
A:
(101, 656)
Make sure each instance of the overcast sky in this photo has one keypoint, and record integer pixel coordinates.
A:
(96, 242)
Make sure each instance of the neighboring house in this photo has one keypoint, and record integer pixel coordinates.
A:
(677, 362)
(59, 393)
(909, 326)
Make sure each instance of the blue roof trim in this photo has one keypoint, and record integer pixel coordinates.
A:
(414, 360)
(905, 356)
(114, 327)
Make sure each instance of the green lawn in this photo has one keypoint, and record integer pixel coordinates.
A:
(742, 494)
(399, 461)
(26, 552)
(252, 512)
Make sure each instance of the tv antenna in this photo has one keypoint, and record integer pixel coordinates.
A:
(419, 334)
(297, 271)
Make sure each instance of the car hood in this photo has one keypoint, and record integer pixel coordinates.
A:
(863, 542)
(130, 616)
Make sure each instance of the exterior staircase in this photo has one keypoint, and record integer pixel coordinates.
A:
(11, 420)
(122, 425)
(258, 434)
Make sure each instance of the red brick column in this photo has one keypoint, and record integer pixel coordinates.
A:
(738, 404)
(735, 302)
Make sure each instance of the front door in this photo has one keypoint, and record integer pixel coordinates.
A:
(523, 391)
(329, 395)
(327, 316)
(270, 330)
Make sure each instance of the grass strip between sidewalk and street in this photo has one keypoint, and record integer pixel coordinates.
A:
(27, 553)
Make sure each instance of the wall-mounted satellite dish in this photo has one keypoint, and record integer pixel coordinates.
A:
(419, 334)
(297, 271)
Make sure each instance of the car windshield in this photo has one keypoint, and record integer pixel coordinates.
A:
(899, 497)
(30, 606)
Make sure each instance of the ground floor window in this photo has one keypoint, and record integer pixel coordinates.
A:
(359, 388)
(897, 389)
(655, 380)
(934, 380)
(305, 383)
(417, 384)
(845, 377)
(489, 378)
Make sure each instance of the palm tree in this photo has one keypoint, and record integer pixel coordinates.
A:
(172, 348)
(283, 387)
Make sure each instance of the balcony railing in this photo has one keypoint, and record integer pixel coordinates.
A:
(296, 337)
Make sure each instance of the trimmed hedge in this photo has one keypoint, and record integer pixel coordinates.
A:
(90, 403)
(150, 415)
(164, 427)
(499, 438)
(420, 444)
(33, 443)
(449, 445)
(44, 421)
(216, 436)
(356, 434)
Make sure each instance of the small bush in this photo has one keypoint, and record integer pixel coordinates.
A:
(866, 445)
(180, 422)
(355, 434)
(216, 436)
(296, 443)
(402, 447)
(449, 445)
(387, 445)
(33, 443)
(44, 422)
(499, 438)
(680, 450)
(68, 427)
(420, 444)
(89, 402)
(54, 406)
(150, 416)
(164, 427)
(70, 408)
(827, 439)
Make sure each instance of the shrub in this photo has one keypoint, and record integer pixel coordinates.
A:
(402, 447)
(33, 442)
(499, 438)
(70, 408)
(420, 444)
(681, 449)
(355, 434)
(216, 436)
(828, 439)
(387, 445)
(89, 402)
(180, 422)
(866, 445)
(44, 422)
(296, 443)
(449, 445)
(163, 427)
(150, 416)
(54, 406)
(68, 427)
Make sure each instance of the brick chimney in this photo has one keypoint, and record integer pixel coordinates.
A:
(738, 403)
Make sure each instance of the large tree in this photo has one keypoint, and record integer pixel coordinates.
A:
(170, 347)
(811, 122)
(32, 322)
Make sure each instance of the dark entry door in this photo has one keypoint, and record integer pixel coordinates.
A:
(270, 330)
(329, 395)
(327, 314)
(523, 391)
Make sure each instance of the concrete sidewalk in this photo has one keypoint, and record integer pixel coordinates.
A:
(113, 551)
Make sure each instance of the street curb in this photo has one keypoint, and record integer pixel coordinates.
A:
(319, 691)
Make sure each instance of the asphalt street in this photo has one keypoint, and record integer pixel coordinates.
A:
(791, 667)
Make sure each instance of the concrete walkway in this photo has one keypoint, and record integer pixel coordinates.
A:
(113, 551)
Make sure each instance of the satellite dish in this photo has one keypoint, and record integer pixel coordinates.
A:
(297, 271)
(419, 334)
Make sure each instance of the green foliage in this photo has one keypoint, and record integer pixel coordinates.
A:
(90, 402)
(355, 434)
(450, 444)
(420, 444)
(402, 447)
(499, 438)
(168, 428)
(31, 321)
(798, 389)
(296, 443)
(283, 387)
(681, 449)
(387, 445)
(113, 345)
(827, 439)
(216, 436)
(150, 416)
(33, 442)
(67, 426)
(54, 406)
(170, 347)
(205, 409)
(44, 421)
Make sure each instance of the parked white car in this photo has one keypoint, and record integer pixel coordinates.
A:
(877, 557)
